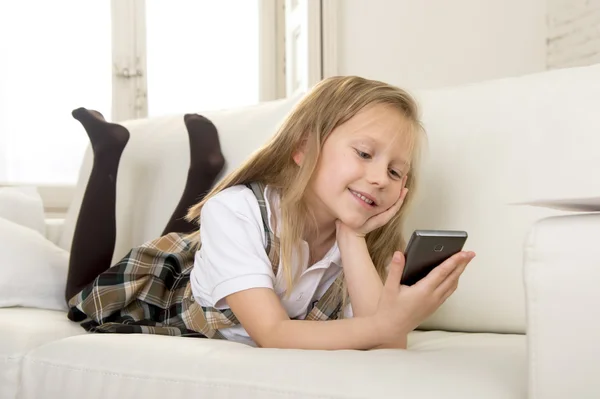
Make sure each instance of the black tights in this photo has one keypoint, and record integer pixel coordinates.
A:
(95, 232)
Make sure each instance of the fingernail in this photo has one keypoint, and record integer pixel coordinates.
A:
(397, 257)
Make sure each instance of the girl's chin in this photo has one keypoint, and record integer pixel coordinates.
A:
(353, 222)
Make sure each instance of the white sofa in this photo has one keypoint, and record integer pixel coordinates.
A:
(525, 321)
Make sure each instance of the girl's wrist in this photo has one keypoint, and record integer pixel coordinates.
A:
(388, 334)
(350, 237)
(382, 329)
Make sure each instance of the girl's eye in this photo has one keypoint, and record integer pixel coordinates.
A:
(363, 154)
(395, 174)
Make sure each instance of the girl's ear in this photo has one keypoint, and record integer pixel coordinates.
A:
(299, 157)
(299, 153)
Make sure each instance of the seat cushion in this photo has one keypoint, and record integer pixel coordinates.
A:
(22, 329)
(448, 365)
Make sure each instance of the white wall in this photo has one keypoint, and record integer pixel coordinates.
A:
(433, 43)
(573, 33)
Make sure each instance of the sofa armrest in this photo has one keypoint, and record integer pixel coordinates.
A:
(56, 200)
(54, 229)
(562, 285)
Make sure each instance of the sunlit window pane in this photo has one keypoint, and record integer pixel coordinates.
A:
(55, 56)
(202, 54)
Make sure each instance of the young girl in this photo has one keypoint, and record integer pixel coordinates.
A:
(297, 248)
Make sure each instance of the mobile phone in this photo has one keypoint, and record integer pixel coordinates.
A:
(427, 249)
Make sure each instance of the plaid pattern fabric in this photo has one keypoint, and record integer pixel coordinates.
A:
(329, 306)
(149, 291)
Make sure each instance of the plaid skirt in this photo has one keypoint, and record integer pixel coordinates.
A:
(149, 291)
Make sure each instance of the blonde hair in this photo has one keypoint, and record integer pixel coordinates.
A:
(329, 104)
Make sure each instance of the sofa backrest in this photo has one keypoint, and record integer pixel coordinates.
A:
(489, 145)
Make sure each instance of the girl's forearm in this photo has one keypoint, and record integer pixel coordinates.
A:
(363, 281)
(359, 333)
(364, 284)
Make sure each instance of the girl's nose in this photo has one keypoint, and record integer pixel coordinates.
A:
(377, 174)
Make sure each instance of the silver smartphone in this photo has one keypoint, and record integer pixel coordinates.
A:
(427, 249)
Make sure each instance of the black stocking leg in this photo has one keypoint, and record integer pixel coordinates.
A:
(206, 162)
(95, 232)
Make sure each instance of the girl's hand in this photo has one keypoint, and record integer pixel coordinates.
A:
(401, 308)
(374, 222)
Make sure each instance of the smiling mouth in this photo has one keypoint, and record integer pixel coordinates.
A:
(363, 198)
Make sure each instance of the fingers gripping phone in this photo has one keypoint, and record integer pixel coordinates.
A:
(427, 249)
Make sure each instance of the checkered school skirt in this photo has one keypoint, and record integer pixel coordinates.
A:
(149, 291)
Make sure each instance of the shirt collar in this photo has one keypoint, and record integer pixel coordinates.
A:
(272, 199)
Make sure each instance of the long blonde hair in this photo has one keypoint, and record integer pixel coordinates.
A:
(329, 104)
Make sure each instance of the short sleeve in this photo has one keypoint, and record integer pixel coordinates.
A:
(348, 313)
(232, 256)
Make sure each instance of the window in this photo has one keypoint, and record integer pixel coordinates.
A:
(52, 61)
(201, 55)
(126, 59)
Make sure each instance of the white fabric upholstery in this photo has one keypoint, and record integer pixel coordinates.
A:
(442, 365)
(21, 330)
(562, 277)
(547, 122)
(23, 205)
(54, 228)
(584, 204)
(492, 144)
(33, 270)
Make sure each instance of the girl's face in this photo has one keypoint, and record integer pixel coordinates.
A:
(362, 168)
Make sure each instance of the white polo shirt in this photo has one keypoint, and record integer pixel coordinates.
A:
(232, 258)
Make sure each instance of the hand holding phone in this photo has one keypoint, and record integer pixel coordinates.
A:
(403, 308)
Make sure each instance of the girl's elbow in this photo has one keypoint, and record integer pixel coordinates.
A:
(271, 337)
(271, 343)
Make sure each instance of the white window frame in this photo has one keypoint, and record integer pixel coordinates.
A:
(128, 59)
(329, 37)
(272, 51)
(130, 85)
(302, 45)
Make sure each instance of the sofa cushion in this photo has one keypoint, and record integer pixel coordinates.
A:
(23, 205)
(447, 365)
(33, 270)
(492, 144)
(21, 330)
